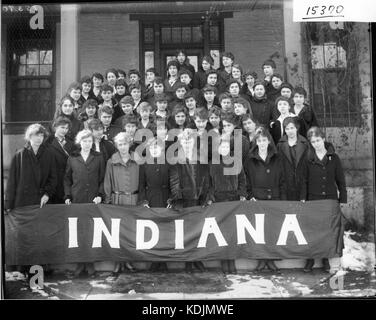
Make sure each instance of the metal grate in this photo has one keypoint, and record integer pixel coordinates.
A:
(333, 61)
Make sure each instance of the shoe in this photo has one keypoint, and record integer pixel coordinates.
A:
(261, 265)
(231, 267)
(199, 266)
(309, 265)
(129, 267)
(163, 267)
(154, 267)
(90, 269)
(79, 270)
(325, 265)
(189, 267)
(225, 268)
(271, 265)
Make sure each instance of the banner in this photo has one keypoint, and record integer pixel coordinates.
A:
(62, 233)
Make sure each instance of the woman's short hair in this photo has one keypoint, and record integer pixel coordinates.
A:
(263, 132)
(281, 98)
(83, 134)
(61, 121)
(35, 128)
(259, 83)
(173, 63)
(293, 120)
(122, 136)
(250, 116)
(112, 70)
(95, 124)
(315, 132)
(276, 75)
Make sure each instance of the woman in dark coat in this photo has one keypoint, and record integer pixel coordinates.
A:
(292, 148)
(226, 187)
(200, 77)
(325, 176)
(189, 182)
(32, 176)
(84, 175)
(83, 180)
(303, 110)
(265, 177)
(261, 109)
(66, 108)
(183, 60)
(61, 149)
(154, 185)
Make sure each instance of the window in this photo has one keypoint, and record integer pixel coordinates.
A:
(30, 70)
(333, 63)
(160, 40)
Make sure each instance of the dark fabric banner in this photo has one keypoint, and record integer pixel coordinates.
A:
(229, 230)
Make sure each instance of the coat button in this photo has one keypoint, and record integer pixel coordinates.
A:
(269, 190)
(267, 170)
(324, 178)
(324, 193)
(269, 196)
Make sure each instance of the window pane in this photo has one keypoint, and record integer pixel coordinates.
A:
(45, 70)
(149, 59)
(32, 70)
(166, 35)
(176, 35)
(21, 70)
(216, 57)
(186, 34)
(44, 83)
(148, 35)
(35, 84)
(45, 57)
(214, 34)
(32, 57)
(23, 59)
(21, 84)
(197, 34)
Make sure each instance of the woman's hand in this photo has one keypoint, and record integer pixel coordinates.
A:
(97, 200)
(68, 201)
(146, 205)
(44, 200)
(252, 199)
(243, 198)
(302, 201)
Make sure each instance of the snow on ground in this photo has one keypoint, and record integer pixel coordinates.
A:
(14, 276)
(358, 256)
(99, 284)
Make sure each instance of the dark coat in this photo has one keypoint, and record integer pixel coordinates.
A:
(187, 66)
(223, 76)
(98, 98)
(224, 187)
(30, 177)
(265, 180)
(199, 79)
(295, 169)
(325, 178)
(154, 184)
(190, 182)
(261, 110)
(83, 181)
(168, 89)
(308, 116)
(106, 148)
(110, 132)
(76, 126)
(276, 132)
(60, 155)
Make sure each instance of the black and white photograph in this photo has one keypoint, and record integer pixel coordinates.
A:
(188, 150)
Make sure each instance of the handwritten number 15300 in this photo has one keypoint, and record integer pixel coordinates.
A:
(324, 10)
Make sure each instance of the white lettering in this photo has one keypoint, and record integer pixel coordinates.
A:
(242, 224)
(179, 234)
(291, 224)
(112, 238)
(141, 244)
(72, 230)
(211, 226)
(37, 20)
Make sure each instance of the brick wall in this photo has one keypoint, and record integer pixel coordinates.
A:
(108, 40)
(253, 36)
